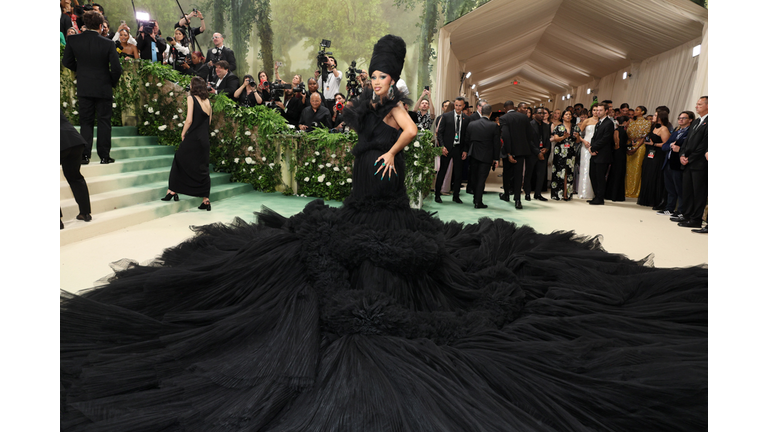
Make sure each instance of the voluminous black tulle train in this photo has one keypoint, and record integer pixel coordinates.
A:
(377, 317)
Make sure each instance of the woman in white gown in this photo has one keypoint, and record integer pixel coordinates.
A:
(583, 185)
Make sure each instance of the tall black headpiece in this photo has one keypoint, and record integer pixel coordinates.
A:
(388, 56)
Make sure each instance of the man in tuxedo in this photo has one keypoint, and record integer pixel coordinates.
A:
(673, 171)
(600, 148)
(518, 137)
(541, 140)
(220, 52)
(151, 46)
(71, 146)
(227, 82)
(695, 169)
(94, 59)
(451, 135)
(483, 136)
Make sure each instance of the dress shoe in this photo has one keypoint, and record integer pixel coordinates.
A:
(704, 230)
(457, 200)
(86, 160)
(107, 160)
(660, 207)
(689, 224)
(504, 197)
(540, 198)
(61, 225)
(170, 196)
(518, 205)
(84, 217)
(527, 197)
(481, 206)
(205, 206)
(678, 219)
(595, 202)
(438, 199)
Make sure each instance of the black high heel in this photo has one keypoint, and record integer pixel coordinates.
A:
(169, 196)
(205, 206)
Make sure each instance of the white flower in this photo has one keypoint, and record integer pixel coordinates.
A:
(157, 112)
(64, 104)
(249, 161)
(247, 133)
(222, 162)
(114, 105)
(313, 160)
(349, 180)
(416, 163)
(74, 112)
(260, 177)
(154, 100)
(175, 117)
(333, 156)
(336, 169)
(163, 127)
(214, 134)
(250, 148)
(170, 94)
(317, 153)
(327, 183)
(406, 148)
(150, 110)
(253, 169)
(272, 165)
(321, 178)
(74, 81)
(146, 84)
(306, 179)
(215, 131)
(146, 123)
(292, 126)
(416, 144)
(180, 125)
(159, 84)
(178, 109)
(237, 160)
(264, 159)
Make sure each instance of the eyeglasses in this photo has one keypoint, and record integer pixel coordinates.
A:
(683, 118)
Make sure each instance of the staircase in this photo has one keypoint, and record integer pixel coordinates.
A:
(128, 192)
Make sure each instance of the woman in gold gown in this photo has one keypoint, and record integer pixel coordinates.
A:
(637, 130)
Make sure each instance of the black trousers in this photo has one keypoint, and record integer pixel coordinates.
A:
(89, 109)
(70, 166)
(597, 173)
(673, 179)
(479, 174)
(695, 191)
(454, 155)
(517, 175)
(540, 171)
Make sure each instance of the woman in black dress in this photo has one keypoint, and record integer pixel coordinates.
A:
(653, 192)
(377, 317)
(189, 172)
(246, 95)
(614, 186)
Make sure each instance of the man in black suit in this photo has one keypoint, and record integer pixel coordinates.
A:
(151, 45)
(94, 59)
(543, 132)
(227, 82)
(451, 135)
(695, 169)
(600, 148)
(483, 136)
(315, 115)
(220, 52)
(518, 138)
(71, 145)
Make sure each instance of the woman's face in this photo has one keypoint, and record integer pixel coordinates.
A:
(567, 116)
(312, 85)
(639, 111)
(424, 105)
(381, 82)
(546, 115)
(556, 115)
(655, 118)
(296, 80)
(263, 76)
(71, 31)
(195, 58)
(123, 36)
(178, 35)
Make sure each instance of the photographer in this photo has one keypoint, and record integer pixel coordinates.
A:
(425, 113)
(294, 102)
(196, 66)
(315, 115)
(263, 86)
(332, 82)
(150, 45)
(177, 51)
(226, 81)
(185, 24)
(337, 119)
(246, 95)
(220, 52)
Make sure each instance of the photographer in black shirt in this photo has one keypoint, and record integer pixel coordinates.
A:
(337, 118)
(247, 95)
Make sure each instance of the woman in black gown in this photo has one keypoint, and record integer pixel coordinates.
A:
(377, 317)
(614, 186)
(653, 192)
(189, 172)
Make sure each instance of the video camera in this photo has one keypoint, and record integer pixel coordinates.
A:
(353, 88)
(322, 58)
(142, 19)
(299, 89)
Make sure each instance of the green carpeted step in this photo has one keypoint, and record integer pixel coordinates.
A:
(122, 153)
(117, 131)
(95, 169)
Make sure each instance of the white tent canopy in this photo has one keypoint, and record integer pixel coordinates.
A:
(559, 47)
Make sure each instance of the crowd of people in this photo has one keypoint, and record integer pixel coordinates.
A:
(571, 152)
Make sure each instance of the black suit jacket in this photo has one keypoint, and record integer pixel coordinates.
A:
(68, 135)
(228, 85)
(517, 134)
(543, 138)
(602, 141)
(484, 138)
(696, 144)
(446, 131)
(144, 44)
(94, 58)
(225, 54)
(322, 117)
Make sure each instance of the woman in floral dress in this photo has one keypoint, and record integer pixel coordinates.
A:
(564, 142)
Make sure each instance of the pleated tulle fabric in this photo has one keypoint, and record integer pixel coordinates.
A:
(377, 317)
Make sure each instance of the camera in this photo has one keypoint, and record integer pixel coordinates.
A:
(339, 106)
(251, 83)
(149, 27)
(169, 39)
(353, 88)
(322, 58)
